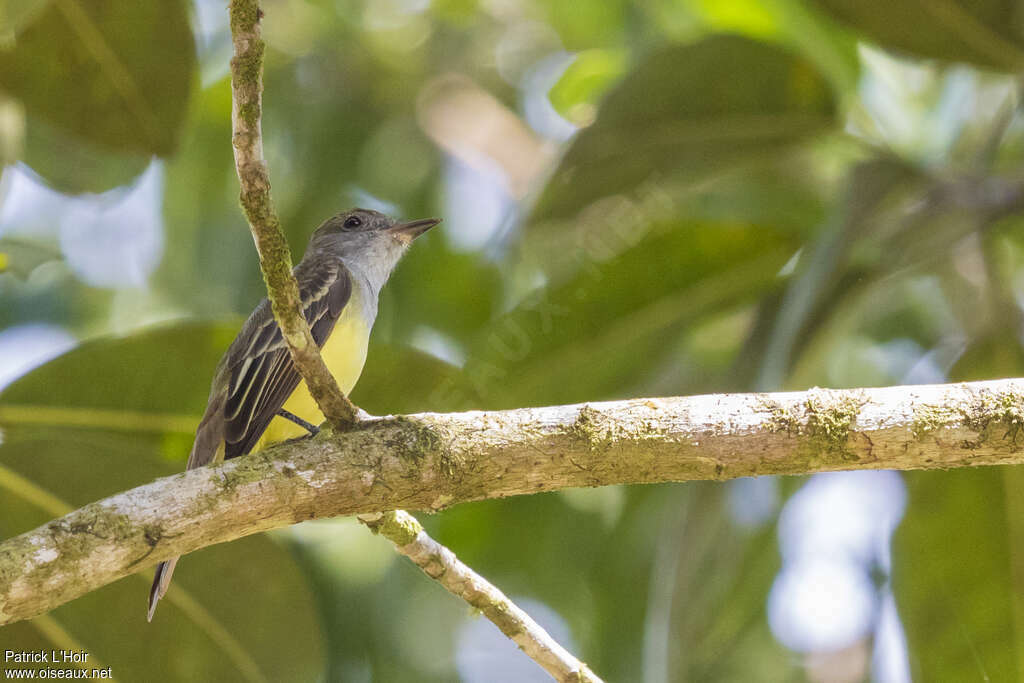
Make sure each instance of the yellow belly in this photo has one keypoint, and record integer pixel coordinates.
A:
(344, 353)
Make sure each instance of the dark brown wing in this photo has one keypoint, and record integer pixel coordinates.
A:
(261, 375)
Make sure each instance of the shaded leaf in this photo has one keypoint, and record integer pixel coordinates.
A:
(73, 165)
(115, 74)
(995, 354)
(586, 23)
(576, 93)
(212, 243)
(604, 332)
(747, 17)
(114, 414)
(714, 586)
(986, 33)
(825, 265)
(691, 110)
(163, 371)
(952, 578)
(17, 14)
(398, 380)
(457, 304)
(21, 257)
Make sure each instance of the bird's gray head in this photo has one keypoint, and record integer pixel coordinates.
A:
(369, 242)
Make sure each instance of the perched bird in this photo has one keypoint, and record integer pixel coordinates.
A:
(257, 397)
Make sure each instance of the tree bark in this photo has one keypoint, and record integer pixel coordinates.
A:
(430, 461)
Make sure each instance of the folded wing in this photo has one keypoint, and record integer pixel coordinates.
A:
(261, 373)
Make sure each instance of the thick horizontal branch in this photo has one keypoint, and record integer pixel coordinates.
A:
(430, 461)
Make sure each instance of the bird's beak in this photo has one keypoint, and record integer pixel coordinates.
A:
(407, 232)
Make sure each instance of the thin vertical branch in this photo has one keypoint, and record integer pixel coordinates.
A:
(254, 178)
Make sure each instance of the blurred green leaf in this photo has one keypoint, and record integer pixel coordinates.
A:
(690, 110)
(895, 224)
(587, 23)
(455, 11)
(213, 269)
(576, 94)
(115, 74)
(17, 14)
(114, 414)
(952, 576)
(22, 256)
(753, 18)
(996, 354)
(141, 375)
(601, 333)
(458, 304)
(824, 270)
(711, 578)
(654, 296)
(51, 293)
(73, 166)
(400, 380)
(986, 33)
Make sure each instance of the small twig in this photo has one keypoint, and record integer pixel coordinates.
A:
(440, 564)
(275, 256)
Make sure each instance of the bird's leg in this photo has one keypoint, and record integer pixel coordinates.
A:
(312, 429)
(361, 416)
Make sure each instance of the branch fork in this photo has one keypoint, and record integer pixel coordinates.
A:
(283, 291)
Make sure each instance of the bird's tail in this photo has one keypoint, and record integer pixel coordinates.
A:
(208, 447)
(161, 580)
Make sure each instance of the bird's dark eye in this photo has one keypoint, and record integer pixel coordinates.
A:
(353, 222)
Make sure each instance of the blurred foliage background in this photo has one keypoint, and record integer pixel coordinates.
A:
(651, 198)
